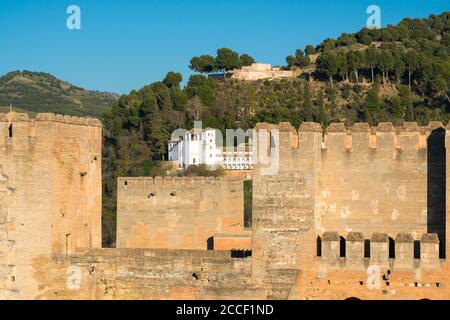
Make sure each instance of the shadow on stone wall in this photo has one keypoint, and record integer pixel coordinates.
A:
(436, 185)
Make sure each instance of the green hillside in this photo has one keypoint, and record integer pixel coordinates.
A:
(36, 92)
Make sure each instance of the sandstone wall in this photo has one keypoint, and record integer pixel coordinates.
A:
(177, 213)
(146, 274)
(283, 209)
(357, 180)
(126, 274)
(50, 193)
(355, 212)
(374, 179)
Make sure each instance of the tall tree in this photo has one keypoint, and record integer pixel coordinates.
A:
(309, 49)
(173, 79)
(386, 63)
(203, 64)
(371, 60)
(406, 102)
(227, 59)
(399, 64)
(202, 87)
(373, 103)
(246, 60)
(411, 62)
(355, 62)
(328, 63)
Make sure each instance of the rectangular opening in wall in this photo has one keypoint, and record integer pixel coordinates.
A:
(342, 250)
(319, 246)
(391, 248)
(417, 249)
(241, 253)
(10, 131)
(67, 242)
(248, 198)
(367, 249)
(210, 243)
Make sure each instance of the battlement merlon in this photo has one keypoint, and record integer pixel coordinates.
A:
(50, 117)
(361, 137)
(139, 182)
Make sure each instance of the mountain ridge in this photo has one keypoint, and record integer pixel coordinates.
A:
(36, 92)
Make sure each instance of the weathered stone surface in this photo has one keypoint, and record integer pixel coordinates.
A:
(177, 214)
(46, 206)
(324, 222)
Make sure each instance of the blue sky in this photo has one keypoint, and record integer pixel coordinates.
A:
(125, 44)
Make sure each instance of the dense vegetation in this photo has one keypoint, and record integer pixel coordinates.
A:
(225, 60)
(393, 74)
(36, 92)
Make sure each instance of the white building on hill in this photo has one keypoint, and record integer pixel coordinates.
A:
(200, 146)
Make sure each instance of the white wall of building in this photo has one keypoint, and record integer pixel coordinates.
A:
(200, 147)
(175, 150)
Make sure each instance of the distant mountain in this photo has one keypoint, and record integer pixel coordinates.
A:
(36, 92)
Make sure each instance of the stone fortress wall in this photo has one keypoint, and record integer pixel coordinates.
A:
(178, 213)
(50, 193)
(354, 200)
(345, 205)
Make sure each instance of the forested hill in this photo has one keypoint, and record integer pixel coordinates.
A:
(35, 92)
(399, 73)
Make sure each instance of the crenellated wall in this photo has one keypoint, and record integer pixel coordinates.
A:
(178, 213)
(374, 179)
(50, 193)
(354, 252)
(350, 212)
(382, 181)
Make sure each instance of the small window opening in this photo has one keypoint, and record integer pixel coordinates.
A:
(391, 248)
(67, 242)
(241, 253)
(248, 205)
(210, 243)
(367, 249)
(342, 248)
(319, 246)
(417, 249)
(10, 131)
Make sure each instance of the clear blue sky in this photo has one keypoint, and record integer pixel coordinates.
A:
(125, 44)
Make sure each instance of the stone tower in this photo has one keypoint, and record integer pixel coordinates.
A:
(50, 193)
